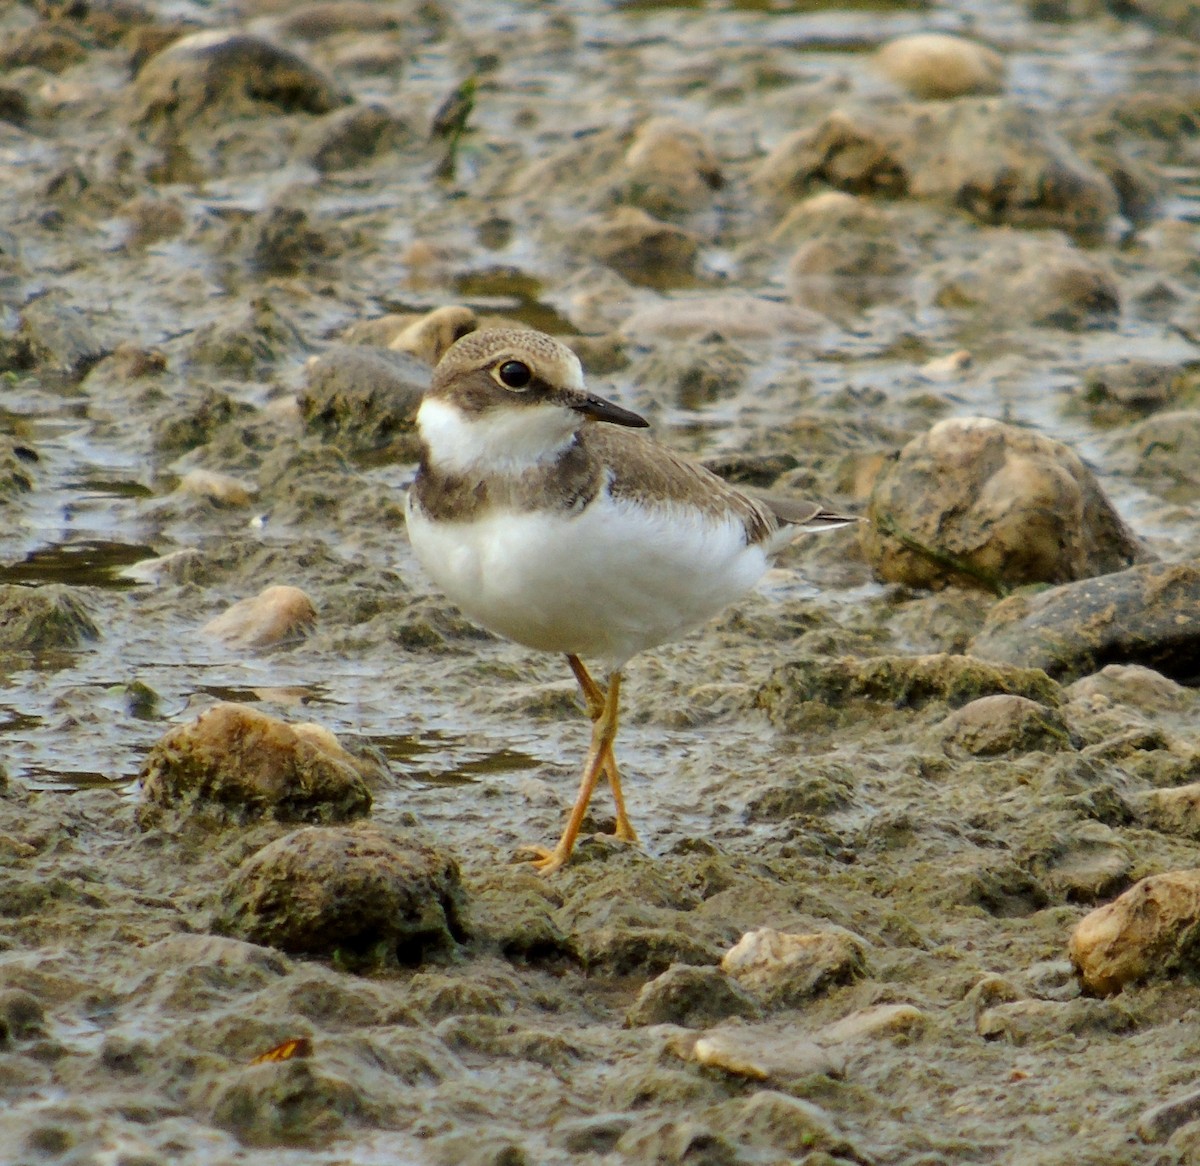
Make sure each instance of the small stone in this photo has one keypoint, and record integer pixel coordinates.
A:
(691, 997)
(275, 615)
(223, 489)
(762, 1053)
(1127, 390)
(1173, 811)
(364, 895)
(641, 248)
(283, 1103)
(669, 169)
(949, 367)
(1134, 685)
(690, 374)
(1041, 1021)
(789, 1125)
(131, 361)
(1004, 723)
(1149, 930)
(938, 66)
(881, 1021)
(976, 502)
(786, 969)
(22, 1016)
(234, 761)
(1164, 452)
(353, 137)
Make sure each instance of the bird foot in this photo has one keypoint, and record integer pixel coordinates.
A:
(546, 861)
(543, 860)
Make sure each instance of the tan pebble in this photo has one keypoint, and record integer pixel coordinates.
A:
(1150, 929)
(271, 617)
(222, 488)
(936, 65)
(883, 1020)
(948, 367)
(762, 1053)
(785, 967)
(428, 336)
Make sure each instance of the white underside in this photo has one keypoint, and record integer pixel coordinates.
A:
(604, 584)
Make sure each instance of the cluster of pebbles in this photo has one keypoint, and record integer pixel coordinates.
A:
(921, 881)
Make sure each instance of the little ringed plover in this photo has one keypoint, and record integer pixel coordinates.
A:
(541, 512)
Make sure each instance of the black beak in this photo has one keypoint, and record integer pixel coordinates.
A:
(598, 409)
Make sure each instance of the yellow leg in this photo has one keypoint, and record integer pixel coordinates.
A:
(604, 729)
(594, 697)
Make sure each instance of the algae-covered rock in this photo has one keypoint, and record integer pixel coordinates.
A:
(1148, 615)
(692, 997)
(365, 399)
(1152, 929)
(785, 968)
(219, 74)
(897, 681)
(643, 249)
(976, 502)
(36, 619)
(999, 161)
(234, 762)
(669, 169)
(368, 896)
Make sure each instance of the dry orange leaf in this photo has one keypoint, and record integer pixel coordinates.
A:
(300, 1046)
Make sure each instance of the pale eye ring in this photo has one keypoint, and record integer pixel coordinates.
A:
(515, 374)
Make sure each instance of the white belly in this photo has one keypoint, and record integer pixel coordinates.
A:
(605, 583)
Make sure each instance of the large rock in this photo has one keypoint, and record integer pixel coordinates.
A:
(238, 763)
(1001, 162)
(975, 502)
(369, 896)
(1147, 615)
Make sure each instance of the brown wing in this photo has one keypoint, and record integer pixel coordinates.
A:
(648, 469)
(645, 469)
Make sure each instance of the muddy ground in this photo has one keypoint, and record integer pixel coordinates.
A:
(177, 242)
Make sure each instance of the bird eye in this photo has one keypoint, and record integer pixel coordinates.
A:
(514, 374)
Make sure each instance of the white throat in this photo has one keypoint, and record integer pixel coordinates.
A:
(500, 440)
